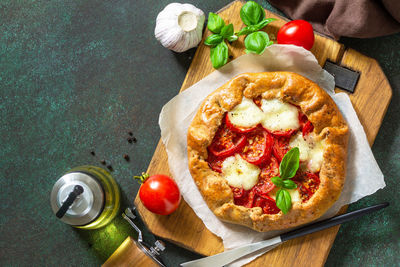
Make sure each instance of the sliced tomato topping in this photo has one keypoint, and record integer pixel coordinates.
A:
(257, 101)
(286, 134)
(226, 142)
(250, 199)
(308, 184)
(265, 185)
(305, 124)
(214, 162)
(280, 148)
(235, 128)
(258, 147)
(302, 118)
(307, 128)
(267, 204)
(238, 192)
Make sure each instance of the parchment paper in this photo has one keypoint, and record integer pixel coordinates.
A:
(363, 174)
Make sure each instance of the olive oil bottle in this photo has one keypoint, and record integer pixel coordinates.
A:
(86, 197)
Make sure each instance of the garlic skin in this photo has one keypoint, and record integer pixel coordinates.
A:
(179, 27)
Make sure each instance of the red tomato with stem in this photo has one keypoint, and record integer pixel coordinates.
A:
(297, 32)
(159, 193)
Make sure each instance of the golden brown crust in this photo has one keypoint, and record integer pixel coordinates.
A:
(328, 125)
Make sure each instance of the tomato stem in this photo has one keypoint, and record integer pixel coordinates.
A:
(142, 178)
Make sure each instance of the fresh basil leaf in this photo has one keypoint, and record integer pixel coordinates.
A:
(227, 31)
(213, 40)
(215, 23)
(219, 55)
(232, 38)
(252, 13)
(264, 23)
(256, 42)
(290, 163)
(247, 30)
(289, 184)
(253, 28)
(283, 200)
(277, 181)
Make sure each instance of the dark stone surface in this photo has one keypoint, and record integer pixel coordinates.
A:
(76, 77)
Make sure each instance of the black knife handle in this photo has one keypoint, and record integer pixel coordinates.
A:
(318, 226)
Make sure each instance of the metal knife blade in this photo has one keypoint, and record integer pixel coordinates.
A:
(229, 256)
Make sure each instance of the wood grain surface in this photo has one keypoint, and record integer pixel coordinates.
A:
(370, 99)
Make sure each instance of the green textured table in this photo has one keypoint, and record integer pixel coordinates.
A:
(76, 77)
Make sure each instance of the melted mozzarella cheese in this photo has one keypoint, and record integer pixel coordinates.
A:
(294, 194)
(246, 114)
(240, 173)
(279, 116)
(311, 151)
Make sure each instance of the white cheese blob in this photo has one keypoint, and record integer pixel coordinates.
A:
(311, 151)
(294, 194)
(240, 173)
(246, 114)
(279, 116)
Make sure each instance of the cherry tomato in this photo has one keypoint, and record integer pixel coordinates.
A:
(258, 147)
(159, 193)
(297, 32)
(214, 162)
(235, 128)
(226, 142)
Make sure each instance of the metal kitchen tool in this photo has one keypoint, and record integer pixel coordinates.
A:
(85, 197)
(345, 78)
(152, 252)
(229, 256)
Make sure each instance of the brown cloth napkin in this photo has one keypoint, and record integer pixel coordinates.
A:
(352, 18)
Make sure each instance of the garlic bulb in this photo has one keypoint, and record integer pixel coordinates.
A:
(179, 26)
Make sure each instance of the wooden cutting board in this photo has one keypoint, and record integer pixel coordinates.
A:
(370, 100)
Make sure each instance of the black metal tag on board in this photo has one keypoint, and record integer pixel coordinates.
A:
(345, 78)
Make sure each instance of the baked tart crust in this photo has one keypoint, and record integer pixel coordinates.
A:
(321, 111)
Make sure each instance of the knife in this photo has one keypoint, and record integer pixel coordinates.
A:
(229, 256)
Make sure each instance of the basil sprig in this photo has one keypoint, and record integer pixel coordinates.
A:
(219, 49)
(219, 55)
(256, 42)
(253, 15)
(215, 23)
(287, 169)
(253, 28)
